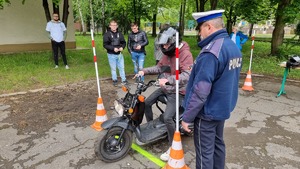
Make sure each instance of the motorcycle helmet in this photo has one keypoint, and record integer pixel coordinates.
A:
(168, 36)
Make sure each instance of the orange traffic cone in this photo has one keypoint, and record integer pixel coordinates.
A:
(248, 82)
(100, 115)
(176, 160)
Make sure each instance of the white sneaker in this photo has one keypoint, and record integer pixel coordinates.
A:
(56, 66)
(67, 67)
(166, 155)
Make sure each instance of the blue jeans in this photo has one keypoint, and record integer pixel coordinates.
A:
(138, 61)
(114, 62)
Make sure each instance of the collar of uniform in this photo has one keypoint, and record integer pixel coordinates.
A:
(218, 34)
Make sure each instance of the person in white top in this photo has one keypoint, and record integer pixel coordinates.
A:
(57, 33)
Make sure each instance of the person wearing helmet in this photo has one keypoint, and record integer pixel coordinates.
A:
(157, 50)
(167, 43)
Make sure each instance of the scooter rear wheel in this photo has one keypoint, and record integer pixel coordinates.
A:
(106, 147)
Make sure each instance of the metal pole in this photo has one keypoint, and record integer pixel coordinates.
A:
(252, 47)
(177, 82)
(95, 60)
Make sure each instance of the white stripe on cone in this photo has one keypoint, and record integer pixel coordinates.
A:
(248, 76)
(248, 84)
(100, 106)
(176, 163)
(176, 145)
(101, 118)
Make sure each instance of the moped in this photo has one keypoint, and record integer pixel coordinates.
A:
(114, 142)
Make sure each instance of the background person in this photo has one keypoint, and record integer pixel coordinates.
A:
(137, 40)
(114, 43)
(167, 42)
(57, 33)
(238, 37)
(212, 90)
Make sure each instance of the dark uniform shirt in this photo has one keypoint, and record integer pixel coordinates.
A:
(212, 90)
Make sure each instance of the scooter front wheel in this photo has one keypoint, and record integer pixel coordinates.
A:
(109, 147)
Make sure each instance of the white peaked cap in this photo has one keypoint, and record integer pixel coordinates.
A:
(201, 17)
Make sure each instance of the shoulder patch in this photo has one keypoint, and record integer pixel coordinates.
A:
(214, 47)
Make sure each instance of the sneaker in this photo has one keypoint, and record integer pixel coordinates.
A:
(67, 67)
(166, 155)
(125, 82)
(138, 142)
(115, 82)
(56, 66)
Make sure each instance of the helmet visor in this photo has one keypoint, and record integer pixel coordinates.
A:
(166, 35)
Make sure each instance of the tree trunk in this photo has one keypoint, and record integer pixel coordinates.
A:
(154, 25)
(134, 11)
(139, 3)
(229, 20)
(46, 10)
(197, 6)
(213, 4)
(92, 16)
(202, 5)
(278, 32)
(103, 18)
(251, 29)
(56, 8)
(65, 12)
(277, 36)
(181, 19)
(83, 28)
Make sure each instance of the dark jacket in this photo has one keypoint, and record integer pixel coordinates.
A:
(134, 39)
(212, 90)
(113, 40)
(185, 64)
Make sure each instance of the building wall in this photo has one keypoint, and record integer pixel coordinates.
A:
(22, 27)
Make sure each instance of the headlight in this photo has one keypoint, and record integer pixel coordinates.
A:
(119, 108)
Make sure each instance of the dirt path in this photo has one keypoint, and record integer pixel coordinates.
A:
(39, 111)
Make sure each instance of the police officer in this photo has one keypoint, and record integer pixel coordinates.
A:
(212, 90)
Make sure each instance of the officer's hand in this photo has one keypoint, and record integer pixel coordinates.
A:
(140, 73)
(120, 49)
(185, 126)
(116, 49)
(162, 82)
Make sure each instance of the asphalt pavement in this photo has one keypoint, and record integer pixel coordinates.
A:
(263, 132)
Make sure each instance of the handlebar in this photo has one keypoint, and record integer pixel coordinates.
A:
(150, 83)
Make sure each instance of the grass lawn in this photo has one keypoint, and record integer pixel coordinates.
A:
(32, 70)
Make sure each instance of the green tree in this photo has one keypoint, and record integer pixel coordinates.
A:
(286, 12)
(3, 2)
(80, 11)
(253, 11)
